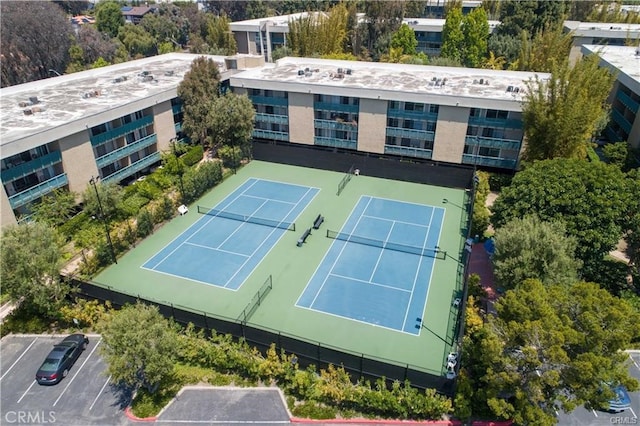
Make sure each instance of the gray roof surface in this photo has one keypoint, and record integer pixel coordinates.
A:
(625, 59)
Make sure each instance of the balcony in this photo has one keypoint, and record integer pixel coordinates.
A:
(511, 144)
(327, 106)
(37, 191)
(423, 135)
(271, 118)
(270, 135)
(336, 125)
(126, 150)
(133, 168)
(335, 143)
(122, 130)
(478, 160)
(627, 101)
(495, 122)
(178, 127)
(269, 100)
(408, 151)
(413, 115)
(32, 166)
(622, 122)
(177, 108)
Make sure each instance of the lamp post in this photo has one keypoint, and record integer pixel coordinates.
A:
(179, 166)
(94, 181)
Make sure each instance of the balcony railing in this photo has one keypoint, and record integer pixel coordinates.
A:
(178, 127)
(479, 160)
(122, 130)
(31, 166)
(271, 135)
(37, 191)
(133, 168)
(177, 108)
(335, 143)
(511, 144)
(622, 122)
(408, 151)
(327, 106)
(495, 122)
(627, 101)
(414, 115)
(126, 150)
(269, 100)
(336, 125)
(272, 118)
(423, 135)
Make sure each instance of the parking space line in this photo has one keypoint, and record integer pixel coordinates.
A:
(25, 392)
(594, 413)
(633, 412)
(634, 362)
(77, 372)
(100, 393)
(20, 357)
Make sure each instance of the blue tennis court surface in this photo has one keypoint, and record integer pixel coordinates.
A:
(377, 285)
(223, 252)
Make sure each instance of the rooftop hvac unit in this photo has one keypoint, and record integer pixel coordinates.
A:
(638, 51)
(300, 72)
(510, 88)
(307, 69)
(33, 99)
(517, 89)
(27, 111)
(434, 79)
(147, 77)
(144, 73)
(481, 81)
(486, 82)
(475, 81)
(349, 71)
(168, 73)
(339, 70)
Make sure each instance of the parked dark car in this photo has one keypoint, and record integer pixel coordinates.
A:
(61, 358)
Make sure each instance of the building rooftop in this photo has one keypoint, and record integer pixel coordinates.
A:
(76, 98)
(277, 23)
(444, 85)
(603, 29)
(430, 24)
(624, 59)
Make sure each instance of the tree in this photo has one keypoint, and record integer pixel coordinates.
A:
(111, 196)
(548, 50)
(590, 199)
(494, 62)
(199, 87)
(383, 18)
(137, 41)
(319, 34)
(35, 38)
(632, 221)
(55, 208)
(109, 17)
(530, 248)
(504, 46)
(561, 115)
(531, 16)
(31, 259)
(452, 36)
(140, 346)
(475, 33)
(231, 119)
(405, 39)
(219, 36)
(480, 215)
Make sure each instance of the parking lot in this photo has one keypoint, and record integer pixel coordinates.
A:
(84, 397)
(583, 417)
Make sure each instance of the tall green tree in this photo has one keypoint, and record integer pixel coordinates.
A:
(55, 208)
(137, 41)
(31, 259)
(632, 221)
(140, 346)
(475, 33)
(531, 16)
(589, 198)
(219, 36)
(562, 114)
(319, 34)
(530, 248)
(547, 51)
(231, 121)
(405, 39)
(452, 35)
(198, 89)
(109, 17)
(383, 18)
(110, 196)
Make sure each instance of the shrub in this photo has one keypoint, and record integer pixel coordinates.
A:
(230, 156)
(72, 226)
(193, 156)
(313, 410)
(145, 223)
(133, 204)
(88, 313)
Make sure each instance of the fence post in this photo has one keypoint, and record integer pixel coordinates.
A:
(173, 312)
(206, 323)
(319, 354)
(361, 365)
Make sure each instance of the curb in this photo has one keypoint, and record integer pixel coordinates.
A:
(133, 417)
(378, 422)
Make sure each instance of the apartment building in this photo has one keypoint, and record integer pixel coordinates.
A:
(429, 33)
(111, 123)
(598, 33)
(624, 98)
(455, 115)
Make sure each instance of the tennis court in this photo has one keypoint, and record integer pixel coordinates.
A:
(378, 270)
(226, 244)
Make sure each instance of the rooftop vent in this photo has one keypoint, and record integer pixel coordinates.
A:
(481, 81)
(147, 77)
(638, 51)
(475, 81)
(510, 88)
(144, 73)
(91, 94)
(516, 89)
(300, 72)
(434, 79)
(348, 71)
(120, 79)
(168, 73)
(34, 100)
(340, 71)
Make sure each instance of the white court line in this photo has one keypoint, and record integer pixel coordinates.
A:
(268, 199)
(216, 249)
(20, 357)
(415, 278)
(370, 282)
(25, 392)
(326, 254)
(337, 258)
(398, 221)
(241, 224)
(632, 360)
(100, 393)
(77, 372)
(269, 236)
(386, 240)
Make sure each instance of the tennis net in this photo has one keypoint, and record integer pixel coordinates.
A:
(421, 251)
(289, 226)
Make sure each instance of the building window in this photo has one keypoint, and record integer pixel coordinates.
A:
(495, 113)
(489, 152)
